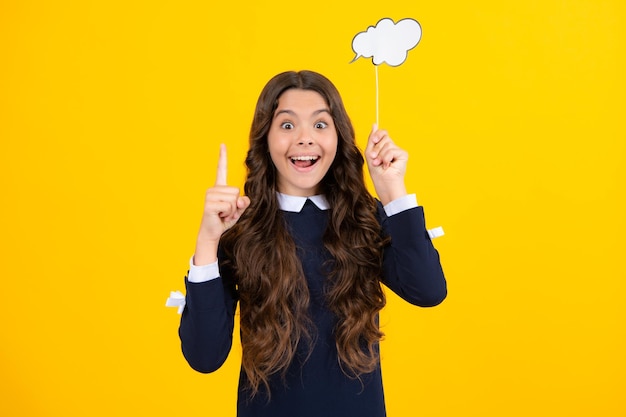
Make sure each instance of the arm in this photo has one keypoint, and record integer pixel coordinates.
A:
(411, 265)
(206, 326)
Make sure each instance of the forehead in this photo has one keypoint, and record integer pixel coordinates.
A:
(299, 100)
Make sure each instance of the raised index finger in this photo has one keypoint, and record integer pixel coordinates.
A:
(221, 167)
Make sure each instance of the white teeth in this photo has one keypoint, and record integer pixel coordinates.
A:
(304, 158)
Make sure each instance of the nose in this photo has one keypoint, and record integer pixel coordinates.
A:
(305, 137)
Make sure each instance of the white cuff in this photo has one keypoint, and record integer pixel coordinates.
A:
(202, 273)
(401, 204)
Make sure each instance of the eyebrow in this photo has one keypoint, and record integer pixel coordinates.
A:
(292, 113)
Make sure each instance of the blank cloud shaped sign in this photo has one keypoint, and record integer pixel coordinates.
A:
(388, 41)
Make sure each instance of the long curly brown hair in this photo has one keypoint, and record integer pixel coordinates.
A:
(274, 297)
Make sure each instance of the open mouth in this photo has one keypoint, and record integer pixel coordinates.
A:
(304, 161)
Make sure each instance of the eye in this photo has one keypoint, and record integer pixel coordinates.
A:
(286, 125)
(321, 125)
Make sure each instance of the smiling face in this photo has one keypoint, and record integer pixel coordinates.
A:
(302, 141)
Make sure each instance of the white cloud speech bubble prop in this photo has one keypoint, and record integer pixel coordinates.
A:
(387, 42)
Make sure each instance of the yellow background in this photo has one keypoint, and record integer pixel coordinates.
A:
(110, 117)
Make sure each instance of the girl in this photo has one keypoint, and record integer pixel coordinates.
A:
(304, 252)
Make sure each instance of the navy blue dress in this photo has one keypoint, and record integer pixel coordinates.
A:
(315, 387)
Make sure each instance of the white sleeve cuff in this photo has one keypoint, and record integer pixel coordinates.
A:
(401, 204)
(202, 273)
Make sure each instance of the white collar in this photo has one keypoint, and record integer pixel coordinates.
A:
(295, 203)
